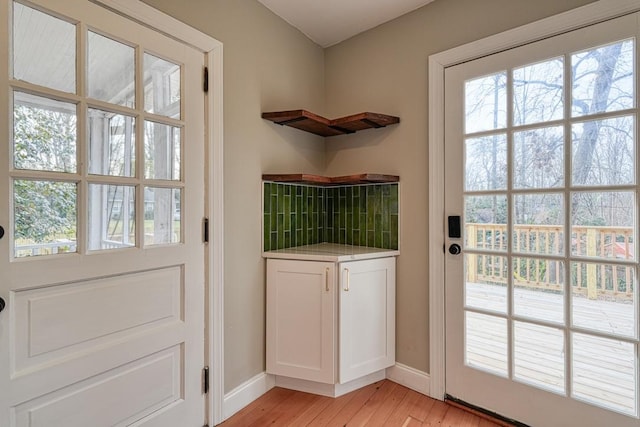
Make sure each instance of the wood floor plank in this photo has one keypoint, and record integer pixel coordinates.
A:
(470, 420)
(415, 405)
(436, 414)
(422, 408)
(379, 418)
(344, 405)
(362, 417)
(253, 411)
(283, 413)
(458, 418)
(411, 422)
(344, 417)
(312, 412)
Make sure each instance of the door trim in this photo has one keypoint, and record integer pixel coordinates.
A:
(548, 27)
(214, 274)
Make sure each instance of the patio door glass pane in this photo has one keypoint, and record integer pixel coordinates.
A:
(550, 213)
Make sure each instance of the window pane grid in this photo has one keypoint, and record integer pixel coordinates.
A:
(119, 170)
(585, 258)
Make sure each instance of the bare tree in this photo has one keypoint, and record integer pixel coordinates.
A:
(607, 58)
(602, 148)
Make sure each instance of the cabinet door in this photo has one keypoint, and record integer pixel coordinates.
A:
(367, 317)
(301, 319)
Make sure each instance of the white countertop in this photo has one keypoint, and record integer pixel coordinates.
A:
(330, 252)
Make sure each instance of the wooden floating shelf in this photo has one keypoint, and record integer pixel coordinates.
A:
(310, 122)
(298, 178)
(301, 178)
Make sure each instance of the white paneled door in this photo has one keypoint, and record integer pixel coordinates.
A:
(102, 189)
(541, 268)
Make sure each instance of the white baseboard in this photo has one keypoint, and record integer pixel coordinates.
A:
(252, 389)
(410, 378)
(329, 390)
(246, 393)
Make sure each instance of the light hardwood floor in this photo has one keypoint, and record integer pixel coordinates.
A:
(384, 403)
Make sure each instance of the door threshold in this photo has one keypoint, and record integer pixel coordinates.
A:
(483, 413)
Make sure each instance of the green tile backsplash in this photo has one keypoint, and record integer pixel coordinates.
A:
(362, 215)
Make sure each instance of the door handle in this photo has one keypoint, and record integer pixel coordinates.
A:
(455, 249)
(2, 304)
(326, 279)
(346, 288)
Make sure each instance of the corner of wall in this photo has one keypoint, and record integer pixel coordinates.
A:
(409, 377)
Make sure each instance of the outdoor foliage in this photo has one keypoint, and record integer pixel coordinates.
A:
(44, 209)
(44, 139)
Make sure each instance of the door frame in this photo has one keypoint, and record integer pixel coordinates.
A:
(571, 20)
(214, 137)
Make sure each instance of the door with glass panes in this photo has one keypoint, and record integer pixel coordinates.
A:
(541, 165)
(102, 260)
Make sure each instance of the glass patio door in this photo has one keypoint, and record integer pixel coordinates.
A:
(541, 160)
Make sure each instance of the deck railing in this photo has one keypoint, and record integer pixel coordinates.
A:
(35, 249)
(60, 246)
(597, 279)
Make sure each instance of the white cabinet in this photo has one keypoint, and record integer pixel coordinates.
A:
(301, 319)
(330, 322)
(367, 317)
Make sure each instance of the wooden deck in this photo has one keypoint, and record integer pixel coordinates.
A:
(603, 369)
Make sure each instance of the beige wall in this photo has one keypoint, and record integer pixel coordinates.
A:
(385, 70)
(268, 65)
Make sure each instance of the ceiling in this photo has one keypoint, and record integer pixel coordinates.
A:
(328, 22)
